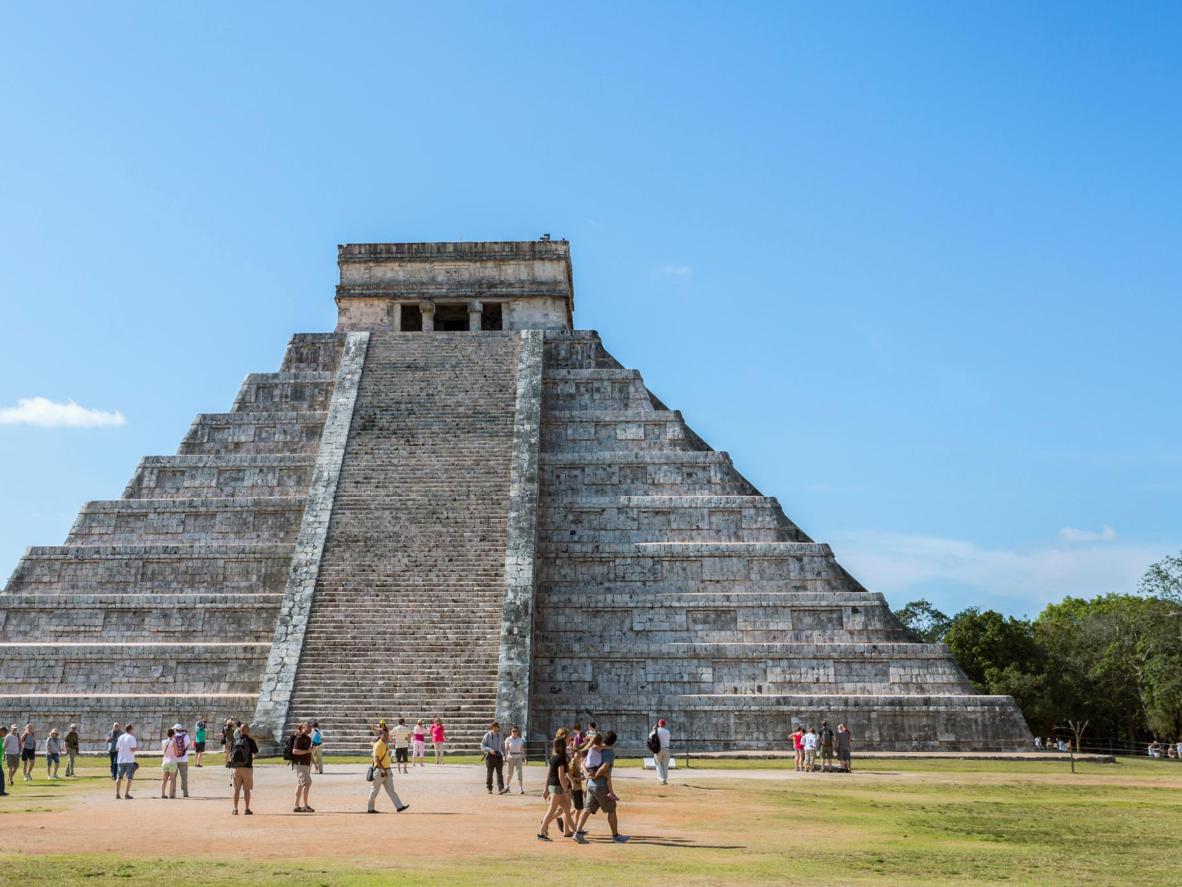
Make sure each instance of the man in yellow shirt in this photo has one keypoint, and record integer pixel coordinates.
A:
(383, 774)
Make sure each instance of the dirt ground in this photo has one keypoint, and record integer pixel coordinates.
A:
(450, 812)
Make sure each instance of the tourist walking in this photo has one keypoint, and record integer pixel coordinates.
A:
(198, 742)
(494, 760)
(515, 755)
(601, 757)
(317, 748)
(4, 734)
(825, 741)
(53, 754)
(73, 749)
(383, 773)
(557, 791)
(401, 735)
(28, 751)
(418, 738)
(113, 748)
(181, 744)
(301, 762)
(438, 738)
(843, 739)
(168, 766)
(809, 744)
(12, 752)
(125, 748)
(662, 740)
(242, 766)
(797, 737)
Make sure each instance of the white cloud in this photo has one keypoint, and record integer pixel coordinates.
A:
(676, 270)
(957, 573)
(42, 412)
(1071, 534)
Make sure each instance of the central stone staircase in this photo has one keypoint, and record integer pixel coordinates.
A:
(406, 616)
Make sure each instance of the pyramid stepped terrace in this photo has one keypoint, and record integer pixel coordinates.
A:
(457, 505)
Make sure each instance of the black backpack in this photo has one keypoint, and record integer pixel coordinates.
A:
(289, 748)
(240, 753)
(654, 742)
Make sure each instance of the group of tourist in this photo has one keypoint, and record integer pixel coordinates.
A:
(410, 743)
(1169, 750)
(578, 774)
(20, 752)
(807, 743)
(578, 764)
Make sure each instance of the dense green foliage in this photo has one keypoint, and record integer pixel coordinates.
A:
(1114, 661)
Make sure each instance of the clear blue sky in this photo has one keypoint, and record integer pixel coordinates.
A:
(915, 266)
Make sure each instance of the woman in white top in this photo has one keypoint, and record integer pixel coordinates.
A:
(168, 765)
(515, 755)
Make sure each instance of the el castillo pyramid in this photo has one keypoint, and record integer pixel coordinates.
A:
(458, 505)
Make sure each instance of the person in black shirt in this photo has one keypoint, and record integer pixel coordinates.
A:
(242, 761)
(302, 763)
(557, 790)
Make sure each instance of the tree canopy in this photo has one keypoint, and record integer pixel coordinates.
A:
(1114, 660)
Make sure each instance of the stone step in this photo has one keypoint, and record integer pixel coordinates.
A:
(150, 568)
(110, 666)
(256, 519)
(221, 475)
(138, 617)
(313, 352)
(152, 713)
(254, 432)
(285, 391)
(420, 513)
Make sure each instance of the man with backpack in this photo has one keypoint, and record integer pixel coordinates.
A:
(825, 740)
(242, 754)
(658, 743)
(298, 750)
(180, 739)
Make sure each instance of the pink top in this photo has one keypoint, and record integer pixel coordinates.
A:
(437, 732)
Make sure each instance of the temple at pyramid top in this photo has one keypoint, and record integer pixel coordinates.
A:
(478, 286)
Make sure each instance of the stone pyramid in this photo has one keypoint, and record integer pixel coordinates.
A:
(457, 505)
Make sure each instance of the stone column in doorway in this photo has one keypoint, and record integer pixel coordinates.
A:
(475, 312)
(396, 316)
(428, 309)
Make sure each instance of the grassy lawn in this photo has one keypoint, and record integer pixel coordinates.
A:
(913, 822)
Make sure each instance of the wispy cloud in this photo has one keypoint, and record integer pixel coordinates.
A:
(1071, 534)
(963, 573)
(41, 412)
(676, 270)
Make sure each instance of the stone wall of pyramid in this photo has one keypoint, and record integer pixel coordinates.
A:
(161, 605)
(668, 586)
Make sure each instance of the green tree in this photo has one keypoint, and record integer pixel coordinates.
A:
(923, 622)
(1116, 661)
(1163, 579)
(1000, 656)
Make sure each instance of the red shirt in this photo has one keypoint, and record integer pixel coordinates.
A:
(798, 740)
